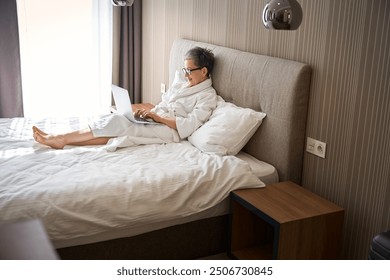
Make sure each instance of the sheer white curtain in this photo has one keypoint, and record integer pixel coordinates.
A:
(66, 56)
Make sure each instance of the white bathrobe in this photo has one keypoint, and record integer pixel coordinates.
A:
(191, 106)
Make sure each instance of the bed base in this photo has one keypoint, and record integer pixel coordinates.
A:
(191, 240)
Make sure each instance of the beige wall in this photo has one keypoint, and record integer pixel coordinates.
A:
(348, 45)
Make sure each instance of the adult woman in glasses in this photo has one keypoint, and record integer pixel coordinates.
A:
(187, 104)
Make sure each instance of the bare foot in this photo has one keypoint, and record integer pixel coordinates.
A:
(54, 141)
(36, 129)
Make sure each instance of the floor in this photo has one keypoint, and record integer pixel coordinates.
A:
(222, 256)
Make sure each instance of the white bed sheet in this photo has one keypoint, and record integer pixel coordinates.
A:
(82, 192)
(264, 171)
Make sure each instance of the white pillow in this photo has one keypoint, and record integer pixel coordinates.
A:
(228, 130)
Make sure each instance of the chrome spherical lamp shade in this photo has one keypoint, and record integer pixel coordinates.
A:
(282, 14)
(122, 3)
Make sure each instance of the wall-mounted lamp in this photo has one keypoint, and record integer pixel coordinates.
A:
(282, 14)
(122, 3)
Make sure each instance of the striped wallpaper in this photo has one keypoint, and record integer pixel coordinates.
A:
(347, 42)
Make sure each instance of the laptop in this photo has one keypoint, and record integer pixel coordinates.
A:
(123, 106)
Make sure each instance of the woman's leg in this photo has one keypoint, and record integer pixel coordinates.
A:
(79, 138)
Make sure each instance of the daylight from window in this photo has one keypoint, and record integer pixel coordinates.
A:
(65, 57)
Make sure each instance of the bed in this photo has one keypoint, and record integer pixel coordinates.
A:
(158, 201)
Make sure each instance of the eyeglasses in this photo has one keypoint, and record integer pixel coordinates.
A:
(188, 71)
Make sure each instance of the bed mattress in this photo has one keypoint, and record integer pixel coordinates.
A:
(86, 194)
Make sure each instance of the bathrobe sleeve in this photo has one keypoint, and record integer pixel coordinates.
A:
(190, 106)
(205, 103)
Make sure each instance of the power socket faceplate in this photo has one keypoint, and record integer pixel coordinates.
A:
(315, 147)
(162, 88)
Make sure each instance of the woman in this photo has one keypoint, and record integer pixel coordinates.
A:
(183, 109)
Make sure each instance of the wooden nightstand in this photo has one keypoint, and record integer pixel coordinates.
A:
(284, 221)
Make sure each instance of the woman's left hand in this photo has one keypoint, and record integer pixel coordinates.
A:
(145, 114)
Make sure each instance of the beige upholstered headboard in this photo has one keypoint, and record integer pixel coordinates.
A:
(278, 87)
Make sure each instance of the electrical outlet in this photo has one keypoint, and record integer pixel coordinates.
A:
(162, 88)
(315, 147)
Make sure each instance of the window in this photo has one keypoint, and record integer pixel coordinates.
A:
(66, 57)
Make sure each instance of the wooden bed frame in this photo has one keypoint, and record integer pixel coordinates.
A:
(275, 86)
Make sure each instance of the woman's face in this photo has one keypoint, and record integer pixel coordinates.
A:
(196, 76)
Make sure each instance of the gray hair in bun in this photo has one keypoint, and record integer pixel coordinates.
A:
(201, 57)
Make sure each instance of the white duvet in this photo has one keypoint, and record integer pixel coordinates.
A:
(84, 191)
